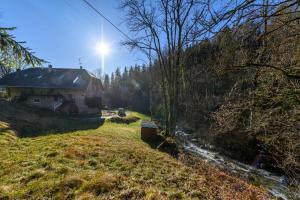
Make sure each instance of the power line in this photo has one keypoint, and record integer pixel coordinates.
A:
(99, 13)
(78, 12)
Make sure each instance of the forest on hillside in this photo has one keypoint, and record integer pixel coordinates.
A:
(237, 86)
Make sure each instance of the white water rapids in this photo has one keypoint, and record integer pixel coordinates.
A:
(275, 184)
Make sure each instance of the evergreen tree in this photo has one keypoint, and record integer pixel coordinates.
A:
(106, 82)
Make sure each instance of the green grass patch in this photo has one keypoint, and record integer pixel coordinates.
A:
(107, 162)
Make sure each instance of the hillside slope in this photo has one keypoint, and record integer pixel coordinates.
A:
(107, 162)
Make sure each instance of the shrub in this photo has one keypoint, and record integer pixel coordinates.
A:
(124, 120)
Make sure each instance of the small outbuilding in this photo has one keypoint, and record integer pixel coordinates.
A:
(149, 131)
(65, 90)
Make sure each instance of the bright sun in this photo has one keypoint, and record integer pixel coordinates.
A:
(103, 49)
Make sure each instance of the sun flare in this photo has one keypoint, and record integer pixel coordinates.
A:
(103, 48)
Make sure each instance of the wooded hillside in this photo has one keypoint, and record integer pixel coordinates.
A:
(237, 85)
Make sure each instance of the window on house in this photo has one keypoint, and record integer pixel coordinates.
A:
(36, 100)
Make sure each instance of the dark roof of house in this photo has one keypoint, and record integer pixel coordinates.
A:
(54, 78)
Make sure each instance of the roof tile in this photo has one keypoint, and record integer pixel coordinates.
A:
(62, 78)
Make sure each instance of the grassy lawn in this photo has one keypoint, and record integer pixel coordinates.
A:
(108, 162)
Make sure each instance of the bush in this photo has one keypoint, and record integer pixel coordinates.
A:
(124, 120)
(263, 120)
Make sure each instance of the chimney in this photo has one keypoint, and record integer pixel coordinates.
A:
(18, 72)
(49, 68)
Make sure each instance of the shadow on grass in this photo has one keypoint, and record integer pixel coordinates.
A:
(31, 122)
(58, 126)
(164, 144)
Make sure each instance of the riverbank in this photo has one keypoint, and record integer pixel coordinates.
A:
(275, 183)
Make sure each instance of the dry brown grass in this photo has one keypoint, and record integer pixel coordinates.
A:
(110, 162)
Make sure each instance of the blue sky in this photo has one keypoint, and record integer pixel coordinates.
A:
(62, 31)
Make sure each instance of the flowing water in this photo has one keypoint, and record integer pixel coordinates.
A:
(275, 184)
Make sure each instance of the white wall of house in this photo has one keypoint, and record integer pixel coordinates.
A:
(45, 98)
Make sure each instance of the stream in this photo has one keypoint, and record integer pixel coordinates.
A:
(275, 184)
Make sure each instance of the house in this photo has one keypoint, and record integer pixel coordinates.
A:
(70, 91)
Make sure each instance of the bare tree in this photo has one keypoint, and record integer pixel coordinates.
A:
(277, 68)
(165, 28)
(283, 14)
